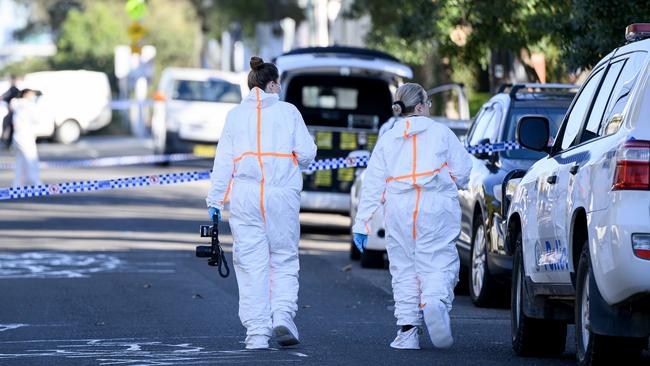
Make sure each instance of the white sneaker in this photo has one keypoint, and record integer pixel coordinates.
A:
(257, 342)
(407, 340)
(285, 330)
(438, 323)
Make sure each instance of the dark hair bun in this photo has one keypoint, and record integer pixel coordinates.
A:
(256, 63)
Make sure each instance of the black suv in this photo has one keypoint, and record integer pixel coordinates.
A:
(484, 261)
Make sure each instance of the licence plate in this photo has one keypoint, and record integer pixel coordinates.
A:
(204, 151)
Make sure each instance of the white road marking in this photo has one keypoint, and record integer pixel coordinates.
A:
(5, 327)
(129, 351)
(72, 265)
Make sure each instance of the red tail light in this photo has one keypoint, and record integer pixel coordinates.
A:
(633, 166)
(641, 245)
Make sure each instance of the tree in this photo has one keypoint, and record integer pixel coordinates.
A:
(593, 28)
(88, 38)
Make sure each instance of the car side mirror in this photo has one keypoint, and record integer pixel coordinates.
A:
(533, 133)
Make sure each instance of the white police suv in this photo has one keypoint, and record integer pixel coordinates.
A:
(579, 220)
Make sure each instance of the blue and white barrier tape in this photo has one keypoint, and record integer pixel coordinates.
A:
(489, 148)
(174, 178)
(150, 180)
(99, 185)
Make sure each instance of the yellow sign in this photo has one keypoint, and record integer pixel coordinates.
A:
(324, 140)
(323, 178)
(136, 31)
(345, 174)
(348, 141)
(204, 151)
(372, 141)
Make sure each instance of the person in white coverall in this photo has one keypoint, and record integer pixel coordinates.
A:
(416, 170)
(24, 138)
(257, 167)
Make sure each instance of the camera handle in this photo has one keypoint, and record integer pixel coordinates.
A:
(218, 258)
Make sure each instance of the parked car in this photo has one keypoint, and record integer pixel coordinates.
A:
(73, 102)
(484, 262)
(373, 255)
(190, 109)
(579, 225)
(344, 95)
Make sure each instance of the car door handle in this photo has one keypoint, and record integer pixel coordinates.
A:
(574, 169)
(551, 179)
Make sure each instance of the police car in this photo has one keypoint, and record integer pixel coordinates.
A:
(579, 219)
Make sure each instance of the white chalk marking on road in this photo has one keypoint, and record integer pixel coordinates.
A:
(298, 354)
(72, 265)
(5, 327)
(130, 351)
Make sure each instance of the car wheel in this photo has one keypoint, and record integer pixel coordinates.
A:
(481, 285)
(164, 145)
(68, 132)
(372, 259)
(531, 337)
(591, 348)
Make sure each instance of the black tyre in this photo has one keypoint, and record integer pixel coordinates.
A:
(531, 337)
(482, 289)
(372, 259)
(596, 349)
(164, 146)
(68, 132)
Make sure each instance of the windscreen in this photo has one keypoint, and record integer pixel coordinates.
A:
(211, 90)
(554, 115)
(340, 101)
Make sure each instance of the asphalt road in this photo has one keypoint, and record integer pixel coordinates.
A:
(110, 278)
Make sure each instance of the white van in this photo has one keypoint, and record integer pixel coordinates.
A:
(190, 109)
(74, 101)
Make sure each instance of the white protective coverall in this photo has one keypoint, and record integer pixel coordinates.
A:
(416, 169)
(257, 167)
(24, 142)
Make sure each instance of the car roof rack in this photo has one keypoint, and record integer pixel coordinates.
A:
(516, 88)
(341, 50)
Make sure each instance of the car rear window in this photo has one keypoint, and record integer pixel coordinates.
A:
(211, 90)
(554, 115)
(340, 101)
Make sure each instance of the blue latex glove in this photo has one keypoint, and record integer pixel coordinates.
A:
(360, 241)
(214, 211)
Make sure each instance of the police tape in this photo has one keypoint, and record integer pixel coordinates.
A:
(152, 180)
(186, 177)
(490, 148)
(112, 161)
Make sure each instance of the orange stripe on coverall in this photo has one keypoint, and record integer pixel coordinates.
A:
(259, 150)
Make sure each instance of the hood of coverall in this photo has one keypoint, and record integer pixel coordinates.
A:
(267, 99)
(408, 126)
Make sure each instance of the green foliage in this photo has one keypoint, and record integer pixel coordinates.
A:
(593, 28)
(219, 15)
(172, 29)
(25, 66)
(88, 38)
(408, 30)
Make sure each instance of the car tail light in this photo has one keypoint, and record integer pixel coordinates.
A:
(632, 166)
(641, 245)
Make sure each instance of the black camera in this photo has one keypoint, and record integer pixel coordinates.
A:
(214, 252)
